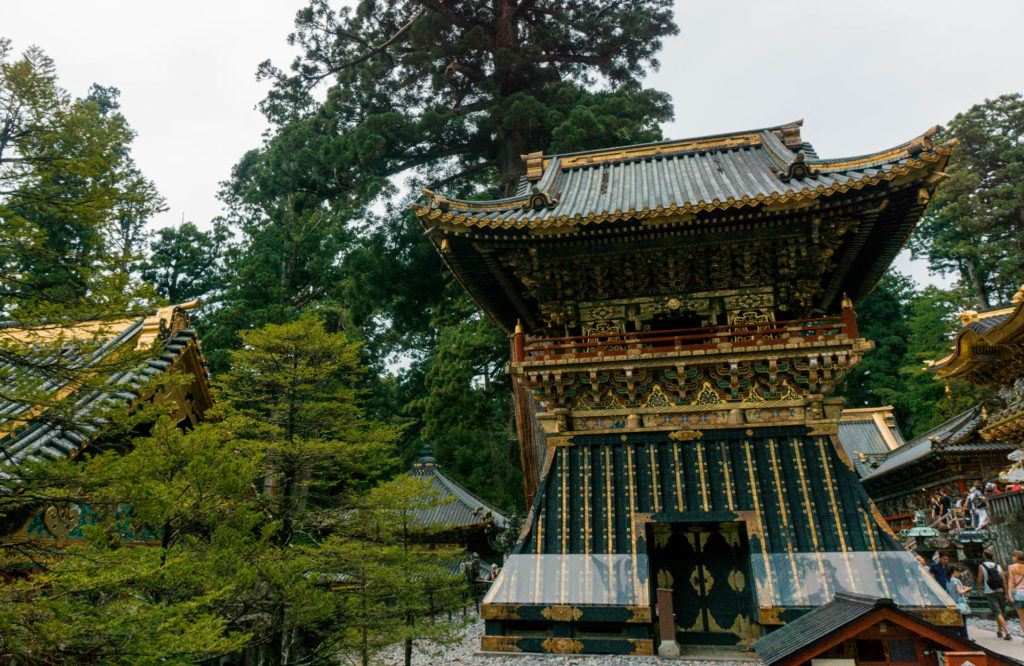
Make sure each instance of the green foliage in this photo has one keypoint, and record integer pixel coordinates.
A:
(182, 263)
(72, 203)
(975, 226)
(909, 326)
(383, 98)
(466, 410)
(260, 532)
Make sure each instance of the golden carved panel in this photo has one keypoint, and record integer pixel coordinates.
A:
(499, 644)
(562, 613)
(562, 646)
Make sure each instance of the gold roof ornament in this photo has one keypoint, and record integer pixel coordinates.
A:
(1018, 296)
(847, 302)
(534, 165)
(967, 316)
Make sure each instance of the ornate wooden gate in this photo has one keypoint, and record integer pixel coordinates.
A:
(707, 568)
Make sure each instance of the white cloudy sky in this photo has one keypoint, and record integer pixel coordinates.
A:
(863, 75)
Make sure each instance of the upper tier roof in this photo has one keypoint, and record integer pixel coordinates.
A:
(735, 170)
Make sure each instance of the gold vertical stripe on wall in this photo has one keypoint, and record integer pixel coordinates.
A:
(655, 478)
(632, 514)
(835, 505)
(536, 580)
(540, 531)
(727, 473)
(680, 504)
(632, 498)
(609, 510)
(809, 511)
(587, 531)
(874, 555)
(831, 493)
(700, 471)
(784, 513)
(565, 498)
(760, 520)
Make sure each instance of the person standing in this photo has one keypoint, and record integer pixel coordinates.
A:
(1015, 585)
(958, 591)
(939, 569)
(993, 586)
(946, 502)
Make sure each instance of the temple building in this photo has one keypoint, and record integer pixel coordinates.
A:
(680, 314)
(121, 360)
(460, 518)
(989, 351)
(953, 457)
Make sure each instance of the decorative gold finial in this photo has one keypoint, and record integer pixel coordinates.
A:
(967, 316)
(519, 327)
(445, 248)
(847, 302)
(1018, 296)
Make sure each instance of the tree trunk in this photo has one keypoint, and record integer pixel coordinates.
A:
(511, 143)
(977, 284)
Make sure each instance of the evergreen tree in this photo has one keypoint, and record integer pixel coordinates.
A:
(909, 326)
(387, 97)
(72, 202)
(974, 227)
(256, 535)
(183, 262)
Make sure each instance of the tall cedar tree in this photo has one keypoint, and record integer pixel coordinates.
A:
(974, 228)
(445, 95)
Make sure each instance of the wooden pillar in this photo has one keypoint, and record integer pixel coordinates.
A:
(666, 624)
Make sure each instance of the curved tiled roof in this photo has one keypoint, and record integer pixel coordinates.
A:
(958, 434)
(862, 437)
(42, 436)
(457, 506)
(990, 328)
(680, 177)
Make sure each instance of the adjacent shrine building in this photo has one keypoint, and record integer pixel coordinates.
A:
(680, 314)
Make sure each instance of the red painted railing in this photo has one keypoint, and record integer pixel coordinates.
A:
(708, 338)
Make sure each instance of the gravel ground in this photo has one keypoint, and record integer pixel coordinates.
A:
(467, 652)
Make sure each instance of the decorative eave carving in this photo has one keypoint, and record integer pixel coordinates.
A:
(539, 200)
(798, 169)
(164, 323)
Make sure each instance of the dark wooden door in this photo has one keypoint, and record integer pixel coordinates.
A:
(706, 567)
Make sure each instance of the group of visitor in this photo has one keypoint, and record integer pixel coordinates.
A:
(1001, 588)
(967, 512)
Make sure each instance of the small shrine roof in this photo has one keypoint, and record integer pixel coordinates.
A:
(844, 618)
(959, 434)
(868, 433)
(458, 507)
(28, 434)
(725, 171)
(816, 625)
